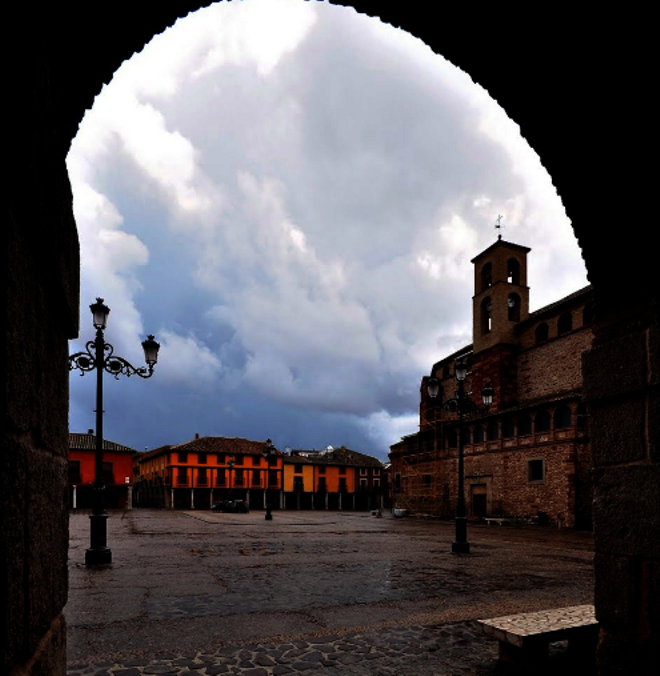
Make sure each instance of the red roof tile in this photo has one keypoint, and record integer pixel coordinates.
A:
(87, 442)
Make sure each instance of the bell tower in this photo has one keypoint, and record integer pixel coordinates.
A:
(501, 294)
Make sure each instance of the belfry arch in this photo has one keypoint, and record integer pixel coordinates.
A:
(65, 52)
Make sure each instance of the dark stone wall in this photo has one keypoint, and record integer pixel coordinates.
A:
(41, 315)
(581, 101)
(42, 268)
(621, 378)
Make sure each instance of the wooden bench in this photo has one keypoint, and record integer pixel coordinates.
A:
(524, 638)
(500, 521)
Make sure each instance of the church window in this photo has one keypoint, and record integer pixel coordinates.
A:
(486, 308)
(508, 428)
(486, 276)
(536, 470)
(513, 271)
(524, 423)
(541, 333)
(565, 323)
(562, 417)
(542, 421)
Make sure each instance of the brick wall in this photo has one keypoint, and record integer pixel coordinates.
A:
(497, 366)
(504, 463)
(555, 366)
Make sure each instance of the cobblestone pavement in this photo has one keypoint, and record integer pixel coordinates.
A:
(309, 593)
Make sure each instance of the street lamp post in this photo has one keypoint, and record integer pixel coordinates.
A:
(268, 453)
(99, 356)
(463, 405)
(230, 467)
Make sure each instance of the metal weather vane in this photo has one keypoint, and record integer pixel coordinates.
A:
(499, 226)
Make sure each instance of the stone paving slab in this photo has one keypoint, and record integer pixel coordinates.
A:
(410, 650)
(309, 593)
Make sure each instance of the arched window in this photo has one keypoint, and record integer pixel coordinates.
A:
(524, 423)
(493, 431)
(486, 276)
(541, 333)
(542, 421)
(513, 305)
(587, 314)
(508, 427)
(478, 434)
(466, 436)
(486, 308)
(445, 371)
(452, 439)
(581, 415)
(565, 323)
(513, 271)
(563, 417)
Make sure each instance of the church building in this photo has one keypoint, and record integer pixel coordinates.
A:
(527, 455)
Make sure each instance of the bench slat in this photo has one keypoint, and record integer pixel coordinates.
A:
(553, 625)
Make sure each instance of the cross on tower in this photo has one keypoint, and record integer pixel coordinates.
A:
(499, 226)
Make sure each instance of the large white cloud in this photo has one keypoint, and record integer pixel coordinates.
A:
(187, 362)
(291, 194)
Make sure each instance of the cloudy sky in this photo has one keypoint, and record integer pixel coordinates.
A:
(288, 195)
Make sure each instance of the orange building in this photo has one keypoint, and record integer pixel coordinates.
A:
(197, 473)
(117, 472)
(338, 478)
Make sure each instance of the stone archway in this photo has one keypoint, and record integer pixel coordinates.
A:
(552, 74)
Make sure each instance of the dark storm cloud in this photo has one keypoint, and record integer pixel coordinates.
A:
(292, 207)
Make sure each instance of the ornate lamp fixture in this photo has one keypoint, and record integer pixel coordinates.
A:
(99, 356)
(462, 404)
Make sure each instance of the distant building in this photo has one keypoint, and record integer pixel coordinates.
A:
(529, 456)
(197, 473)
(117, 472)
(334, 478)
